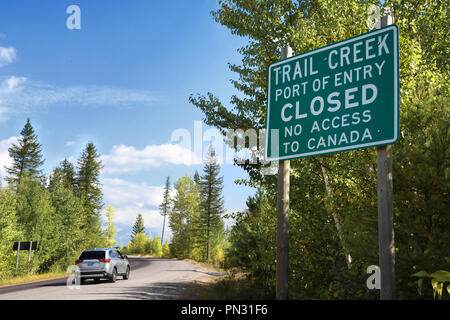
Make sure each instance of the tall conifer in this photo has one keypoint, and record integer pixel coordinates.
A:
(211, 186)
(26, 155)
(138, 226)
(165, 206)
(87, 181)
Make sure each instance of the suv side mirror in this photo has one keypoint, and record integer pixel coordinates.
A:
(125, 257)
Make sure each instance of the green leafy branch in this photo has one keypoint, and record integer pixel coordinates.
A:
(438, 279)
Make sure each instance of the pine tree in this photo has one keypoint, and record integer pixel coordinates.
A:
(68, 172)
(65, 174)
(197, 178)
(87, 180)
(212, 200)
(88, 189)
(138, 226)
(67, 221)
(165, 206)
(199, 234)
(26, 156)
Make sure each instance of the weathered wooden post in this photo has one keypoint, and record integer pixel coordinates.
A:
(284, 167)
(386, 214)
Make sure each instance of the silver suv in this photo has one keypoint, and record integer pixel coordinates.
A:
(102, 263)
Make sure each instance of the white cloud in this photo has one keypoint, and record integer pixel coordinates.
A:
(129, 159)
(12, 85)
(120, 193)
(127, 216)
(9, 87)
(69, 143)
(19, 95)
(7, 55)
(130, 199)
(5, 160)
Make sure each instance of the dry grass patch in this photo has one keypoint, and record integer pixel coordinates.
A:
(234, 285)
(204, 265)
(32, 278)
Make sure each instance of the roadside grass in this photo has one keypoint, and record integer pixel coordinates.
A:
(31, 278)
(205, 265)
(236, 285)
(144, 255)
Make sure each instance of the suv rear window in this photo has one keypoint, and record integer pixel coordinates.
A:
(88, 255)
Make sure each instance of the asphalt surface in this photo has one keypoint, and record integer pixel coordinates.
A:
(150, 278)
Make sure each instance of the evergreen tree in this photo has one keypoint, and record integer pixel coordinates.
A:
(88, 189)
(165, 205)
(200, 236)
(67, 221)
(197, 178)
(138, 226)
(65, 174)
(87, 181)
(68, 173)
(212, 200)
(26, 156)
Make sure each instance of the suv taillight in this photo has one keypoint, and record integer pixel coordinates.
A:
(105, 260)
(78, 261)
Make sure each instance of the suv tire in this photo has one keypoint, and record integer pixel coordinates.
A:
(126, 276)
(114, 275)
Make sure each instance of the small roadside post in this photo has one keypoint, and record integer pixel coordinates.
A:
(17, 257)
(23, 245)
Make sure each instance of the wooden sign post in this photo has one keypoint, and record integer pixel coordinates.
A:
(23, 245)
(283, 218)
(386, 215)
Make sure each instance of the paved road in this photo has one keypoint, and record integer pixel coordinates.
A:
(151, 278)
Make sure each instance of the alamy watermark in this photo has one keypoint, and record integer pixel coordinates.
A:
(236, 146)
(73, 280)
(373, 281)
(74, 20)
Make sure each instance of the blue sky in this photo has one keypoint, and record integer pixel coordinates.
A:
(122, 81)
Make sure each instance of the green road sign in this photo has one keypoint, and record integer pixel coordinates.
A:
(340, 97)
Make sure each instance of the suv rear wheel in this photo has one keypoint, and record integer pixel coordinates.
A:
(126, 276)
(114, 275)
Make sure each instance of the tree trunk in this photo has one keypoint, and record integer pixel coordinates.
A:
(348, 258)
